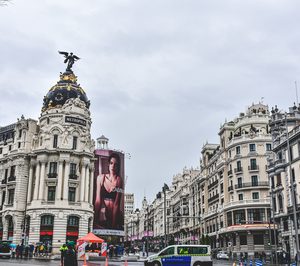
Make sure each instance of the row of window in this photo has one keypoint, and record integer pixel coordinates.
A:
(53, 170)
(53, 166)
(253, 166)
(48, 220)
(255, 196)
(252, 148)
(254, 183)
(50, 195)
(52, 192)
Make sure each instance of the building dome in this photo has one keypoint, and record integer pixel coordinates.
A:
(65, 89)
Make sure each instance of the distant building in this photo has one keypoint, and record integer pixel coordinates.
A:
(129, 203)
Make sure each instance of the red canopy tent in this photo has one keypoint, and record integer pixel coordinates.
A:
(90, 238)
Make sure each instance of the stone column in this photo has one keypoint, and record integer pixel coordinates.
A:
(91, 185)
(87, 184)
(1, 203)
(5, 228)
(59, 230)
(34, 230)
(83, 226)
(66, 181)
(37, 181)
(6, 195)
(18, 221)
(60, 180)
(82, 182)
(30, 183)
(42, 182)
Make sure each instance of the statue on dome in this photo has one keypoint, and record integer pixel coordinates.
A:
(70, 59)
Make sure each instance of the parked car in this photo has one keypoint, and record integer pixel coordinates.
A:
(222, 255)
(5, 250)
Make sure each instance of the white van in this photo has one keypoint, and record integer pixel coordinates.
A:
(183, 255)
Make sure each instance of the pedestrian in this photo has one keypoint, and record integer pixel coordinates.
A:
(18, 251)
(26, 252)
(70, 258)
(36, 250)
(41, 249)
(31, 250)
(62, 250)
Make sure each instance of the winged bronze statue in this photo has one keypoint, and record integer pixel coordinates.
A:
(70, 59)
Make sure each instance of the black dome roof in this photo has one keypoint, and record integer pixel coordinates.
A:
(66, 88)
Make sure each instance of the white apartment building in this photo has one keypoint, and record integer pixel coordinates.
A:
(284, 172)
(236, 207)
(228, 199)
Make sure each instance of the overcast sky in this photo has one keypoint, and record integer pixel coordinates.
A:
(161, 75)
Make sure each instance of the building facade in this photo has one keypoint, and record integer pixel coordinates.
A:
(234, 182)
(283, 169)
(47, 170)
(129, 203)
(226, 202)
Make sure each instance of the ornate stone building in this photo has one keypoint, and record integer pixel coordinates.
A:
(226, 202)
(47, 169)
(283, 169)
(235, 204)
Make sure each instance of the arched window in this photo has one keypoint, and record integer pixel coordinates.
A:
(90, 223)
(10, 225)
(72, 228)
(46, 229)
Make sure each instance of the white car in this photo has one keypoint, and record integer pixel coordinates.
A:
(222, 255)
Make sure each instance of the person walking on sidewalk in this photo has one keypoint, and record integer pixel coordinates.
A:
(62, 250)
(70, 258)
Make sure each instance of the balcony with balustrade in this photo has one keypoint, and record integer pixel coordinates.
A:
(247, 203)
(251, 185)
(253, 168)
(238, 170)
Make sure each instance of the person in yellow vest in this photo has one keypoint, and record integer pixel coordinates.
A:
(62, 250)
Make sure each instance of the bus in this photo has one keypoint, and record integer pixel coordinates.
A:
(5, 250)
(183, 255)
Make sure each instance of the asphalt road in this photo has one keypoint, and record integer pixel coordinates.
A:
(15, 262)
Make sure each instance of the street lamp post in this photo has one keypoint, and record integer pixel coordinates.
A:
(165, 188)
(272, 218)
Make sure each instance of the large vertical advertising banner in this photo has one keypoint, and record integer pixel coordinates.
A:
(109, 193)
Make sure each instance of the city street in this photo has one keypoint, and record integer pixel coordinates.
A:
(14, 262)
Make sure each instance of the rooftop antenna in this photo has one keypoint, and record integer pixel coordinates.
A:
(296, 88)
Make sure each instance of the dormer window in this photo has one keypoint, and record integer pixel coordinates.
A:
(55, 140)
(74, 146)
